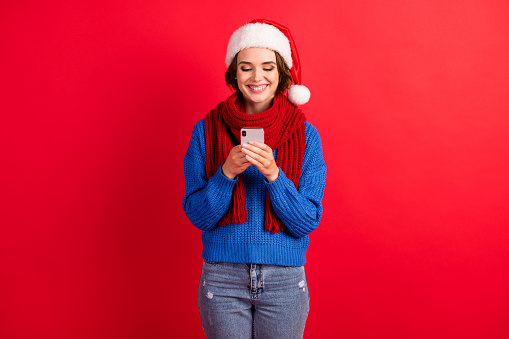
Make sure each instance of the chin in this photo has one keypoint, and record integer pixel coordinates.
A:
(258, 98)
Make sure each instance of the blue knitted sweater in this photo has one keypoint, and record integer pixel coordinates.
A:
(300, 210)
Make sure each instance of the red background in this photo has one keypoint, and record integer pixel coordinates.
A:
(97, 106)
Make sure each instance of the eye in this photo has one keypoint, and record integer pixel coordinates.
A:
(245, 69)
(268, 69)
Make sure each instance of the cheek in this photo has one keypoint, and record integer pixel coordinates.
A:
(275, 79)
(240, 77)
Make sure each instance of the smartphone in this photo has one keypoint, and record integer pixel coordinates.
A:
(248, 134)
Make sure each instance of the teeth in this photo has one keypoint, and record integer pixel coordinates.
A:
(258, 88)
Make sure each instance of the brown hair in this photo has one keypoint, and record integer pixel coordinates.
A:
(285, 76)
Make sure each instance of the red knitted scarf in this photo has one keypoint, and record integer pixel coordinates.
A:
(284, 128)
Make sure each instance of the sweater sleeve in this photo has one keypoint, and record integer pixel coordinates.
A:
(206, 200)
(300, 209)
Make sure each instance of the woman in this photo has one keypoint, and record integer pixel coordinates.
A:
(257, 202)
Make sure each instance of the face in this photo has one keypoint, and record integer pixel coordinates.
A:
(257, 75)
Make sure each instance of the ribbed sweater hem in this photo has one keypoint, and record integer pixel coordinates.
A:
(267, 254)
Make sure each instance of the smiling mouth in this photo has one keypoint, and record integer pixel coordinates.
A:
(257, 89)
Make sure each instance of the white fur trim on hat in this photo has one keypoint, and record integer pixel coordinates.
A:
(259, 35)
(298, 94)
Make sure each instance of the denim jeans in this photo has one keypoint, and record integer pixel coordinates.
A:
(253, 301)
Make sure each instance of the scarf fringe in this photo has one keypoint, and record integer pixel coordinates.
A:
(237, 212)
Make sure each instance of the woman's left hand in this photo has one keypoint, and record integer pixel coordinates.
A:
(261, 156)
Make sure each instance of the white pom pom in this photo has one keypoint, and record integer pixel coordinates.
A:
(298, 94)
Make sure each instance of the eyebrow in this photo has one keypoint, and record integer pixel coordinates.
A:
(263, 63)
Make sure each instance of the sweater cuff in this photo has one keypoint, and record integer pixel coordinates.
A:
(279, 184)
(225, 180)
(220, 188)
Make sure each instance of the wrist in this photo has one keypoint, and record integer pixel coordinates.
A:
(227, 174)
(274, 176)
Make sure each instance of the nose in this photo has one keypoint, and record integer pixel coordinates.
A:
(257, 76)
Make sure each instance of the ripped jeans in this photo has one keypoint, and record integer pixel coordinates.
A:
(253, 300)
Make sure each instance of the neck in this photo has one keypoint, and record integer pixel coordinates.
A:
(256, 107)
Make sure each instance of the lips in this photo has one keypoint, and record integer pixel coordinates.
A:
(257, 88)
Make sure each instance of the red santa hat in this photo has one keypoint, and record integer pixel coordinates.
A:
(269, 34)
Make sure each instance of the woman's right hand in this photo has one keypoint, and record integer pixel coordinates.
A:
(236, 163)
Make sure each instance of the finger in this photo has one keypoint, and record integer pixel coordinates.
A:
(258, 157)
(260, 145)
(254, 162)
(236, 149)
(252, 146)
(266, 153)
(241, 158)
(241, 161)
(239, 155)
(242, 167)
(257, 150)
